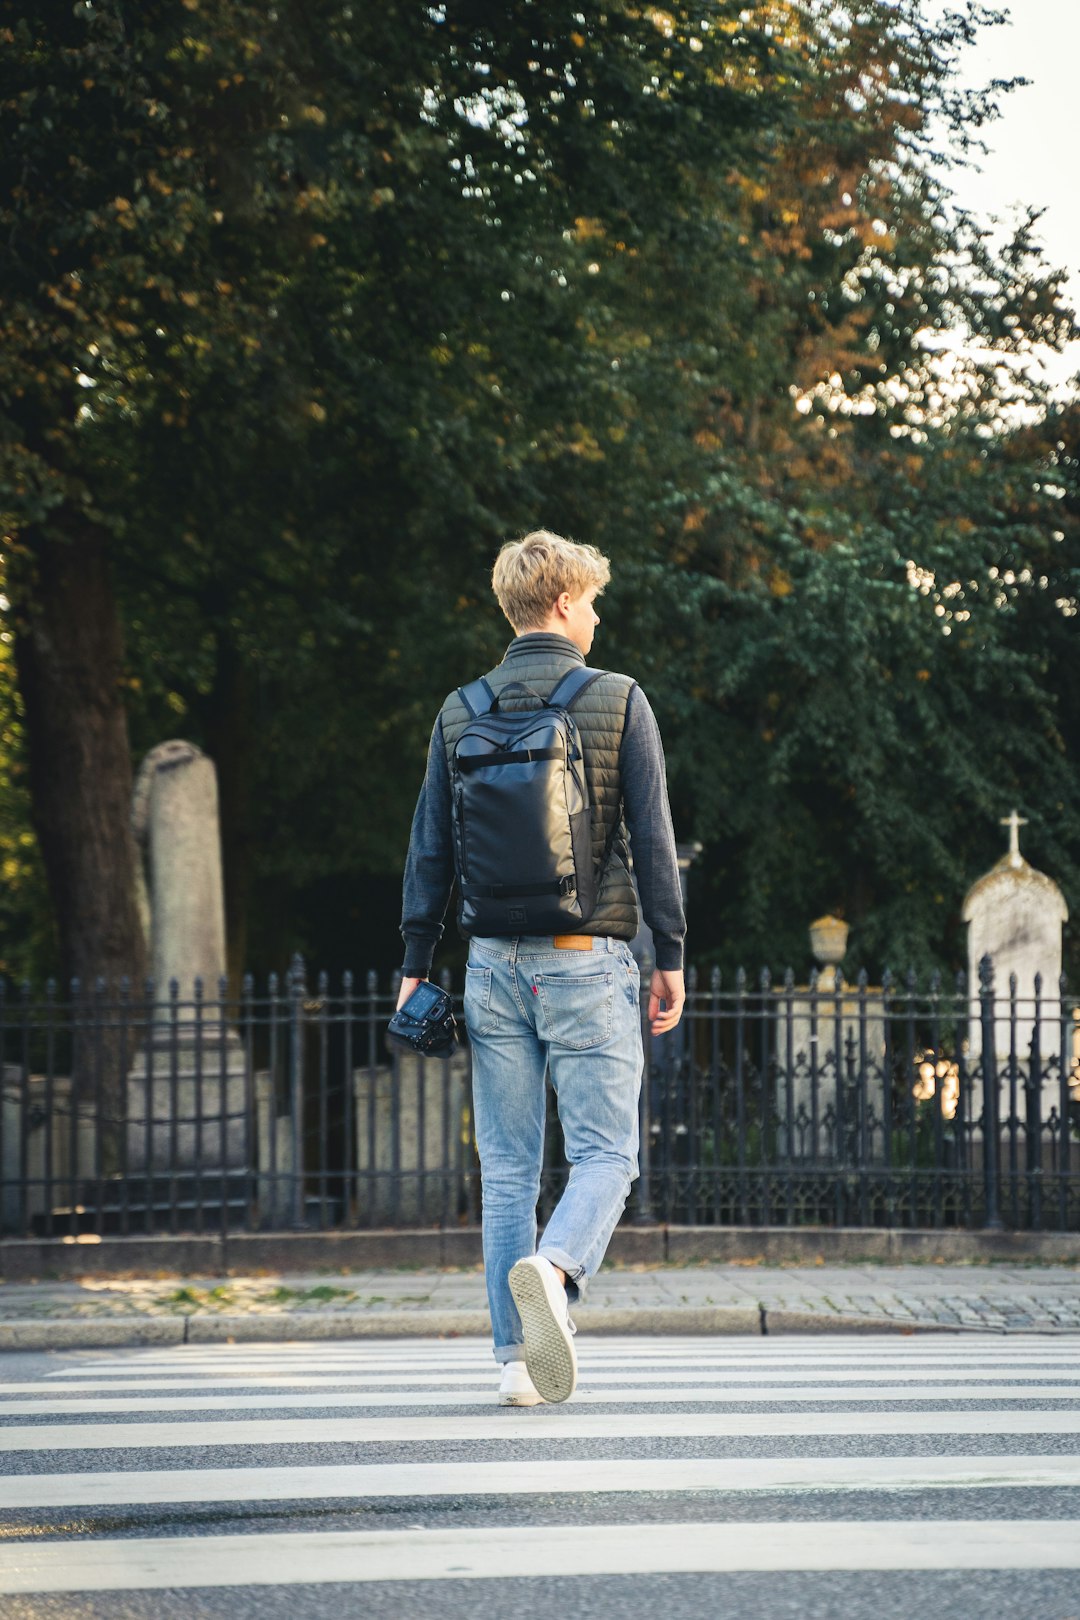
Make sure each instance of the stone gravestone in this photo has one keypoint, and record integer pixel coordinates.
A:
(186, 1092)
(807, 1068)
(1015, 916)
(412, 1119)
(30, 1103)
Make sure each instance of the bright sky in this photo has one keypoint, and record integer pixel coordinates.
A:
(1033, 147)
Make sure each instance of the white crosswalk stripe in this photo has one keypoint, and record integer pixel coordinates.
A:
(601, 1374)
(475, 1391)
(881, 1422)
(374, 1480)
(685, 1353)
(309, 1558)
(544, 1424)
(696, 1351)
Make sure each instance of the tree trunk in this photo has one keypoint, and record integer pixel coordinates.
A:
(69, 657)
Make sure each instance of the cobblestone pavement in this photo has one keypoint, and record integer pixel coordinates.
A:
(1002, 1298)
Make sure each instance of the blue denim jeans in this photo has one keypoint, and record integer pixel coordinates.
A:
(531, 1009)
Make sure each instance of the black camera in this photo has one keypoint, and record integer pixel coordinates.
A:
(425, 1023)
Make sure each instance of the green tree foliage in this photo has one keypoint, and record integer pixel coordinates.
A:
(849, 726)
(853, 682)
(309, 306)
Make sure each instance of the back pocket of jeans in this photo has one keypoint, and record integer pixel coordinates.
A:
(577, 1010)
(479, 1018)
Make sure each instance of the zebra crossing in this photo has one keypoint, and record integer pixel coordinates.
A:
(375, 1466)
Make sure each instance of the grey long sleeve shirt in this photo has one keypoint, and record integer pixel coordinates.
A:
(429, 867)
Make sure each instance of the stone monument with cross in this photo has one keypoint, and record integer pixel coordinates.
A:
(1015, 916)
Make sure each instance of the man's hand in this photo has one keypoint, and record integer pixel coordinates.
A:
(666, 986)
(407, 988)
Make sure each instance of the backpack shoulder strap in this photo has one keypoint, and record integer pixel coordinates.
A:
(477, 697)
(572, 684)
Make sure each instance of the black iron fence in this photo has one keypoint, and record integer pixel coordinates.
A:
(771, 1104)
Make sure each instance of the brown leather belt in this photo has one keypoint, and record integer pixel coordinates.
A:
(574, 942)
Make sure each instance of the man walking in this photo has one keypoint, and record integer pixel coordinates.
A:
(568, 1004)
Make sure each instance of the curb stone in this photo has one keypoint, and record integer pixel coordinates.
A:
(269, 1328)
(283, 1327)
(781, 1321)
(119, 1333)
(718, 1320)
(597, 1321)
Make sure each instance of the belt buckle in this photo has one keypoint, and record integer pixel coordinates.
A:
(574, 942)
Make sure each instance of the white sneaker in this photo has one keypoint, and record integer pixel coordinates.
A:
(549, 1333)
(517, 1388)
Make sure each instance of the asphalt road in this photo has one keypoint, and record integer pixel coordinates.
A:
(832, 1477)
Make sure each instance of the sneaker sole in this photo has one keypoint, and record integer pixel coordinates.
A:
(521, 1400)
(549, 1351)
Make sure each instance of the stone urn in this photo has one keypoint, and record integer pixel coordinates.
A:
(828, 941)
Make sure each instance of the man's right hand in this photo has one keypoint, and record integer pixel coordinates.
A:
(669, 987)
(407, 988)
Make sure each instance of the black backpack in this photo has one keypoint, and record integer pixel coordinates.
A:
(522, 817)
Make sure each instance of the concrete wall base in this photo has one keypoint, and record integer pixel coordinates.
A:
(249, 1253)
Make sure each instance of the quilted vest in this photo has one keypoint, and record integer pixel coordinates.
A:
(600, 713)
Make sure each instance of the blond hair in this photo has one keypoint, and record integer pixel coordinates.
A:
(531, 574)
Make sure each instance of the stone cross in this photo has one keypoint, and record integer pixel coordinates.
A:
(1014, 823)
